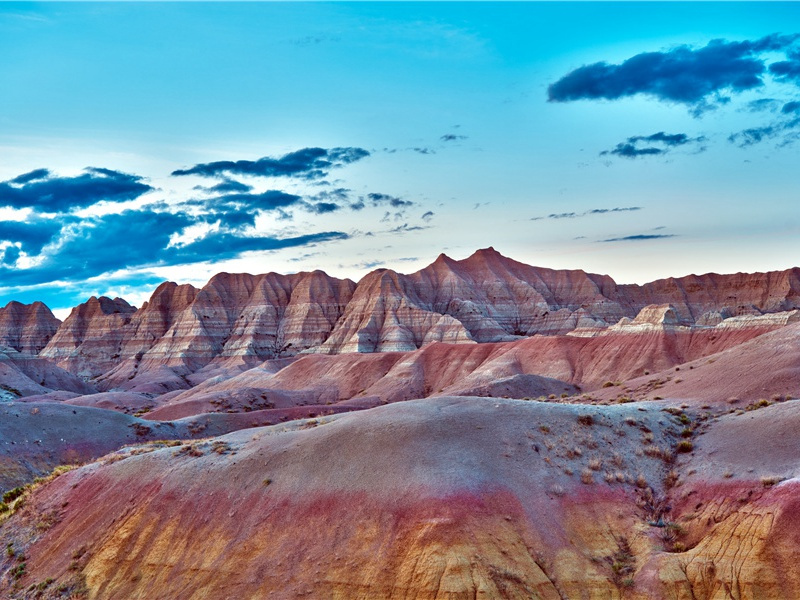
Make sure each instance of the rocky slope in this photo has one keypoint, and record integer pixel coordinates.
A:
(438, 498)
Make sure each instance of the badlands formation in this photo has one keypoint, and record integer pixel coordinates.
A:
(478, 429)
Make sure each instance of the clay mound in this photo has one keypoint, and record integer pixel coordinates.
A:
(126, 402)
(762, 368)
(35, 437)
(750, 445)
(434, 498)
(26, 375)
(448, 496)
(527, 368)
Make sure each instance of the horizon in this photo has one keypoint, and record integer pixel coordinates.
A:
(169, 142)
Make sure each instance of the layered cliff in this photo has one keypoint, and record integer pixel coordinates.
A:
(484, 298)
(27, 327)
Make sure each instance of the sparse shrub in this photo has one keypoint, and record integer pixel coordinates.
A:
(670, 479)
(685, 446)
(557, 490)
(609, 477)
(687, 432)
(12, 495)
(586, 420)
(586, 477)
(608, 384)
(544, 429)
(641, 481)
(770, 480)
(595, 464)
(622, 563)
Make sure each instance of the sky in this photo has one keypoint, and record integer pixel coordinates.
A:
(143, 142)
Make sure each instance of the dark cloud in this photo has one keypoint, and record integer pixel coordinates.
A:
(637, 238)
(357, 205)
(386, 199)
(31, 176)
(627, 150)
(632, 148)
(787, 70)
(31, 235)
(586, 213)
(137, 239)
(452, 137)
(420, 150)
(791, 107)
(307, 163)
(322, 208)
(698, 77)
(427, 216)
(42, 191)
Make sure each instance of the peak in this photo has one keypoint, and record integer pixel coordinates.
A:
(489, 252)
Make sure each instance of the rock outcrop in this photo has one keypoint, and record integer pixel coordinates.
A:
(27, 327)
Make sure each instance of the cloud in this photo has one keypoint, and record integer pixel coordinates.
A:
(386, 199)
(419, 150)
(139, 239)
(322, 208)
(637, 238)
(31, 235)
(631, 148)
(787, 70)
(791, 107)
(44, 192)
(586, 213)
(697, 77)
(427, 216)
(754, 135)
(452, 137)
(406, 228)
(307, 163)
(762, 105)
(226, 186)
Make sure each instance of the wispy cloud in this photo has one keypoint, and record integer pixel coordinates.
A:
(640, 237)
(587, 213)
(307, 163)
(654, 144)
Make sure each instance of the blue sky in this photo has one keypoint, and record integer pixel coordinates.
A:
(143, 142)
